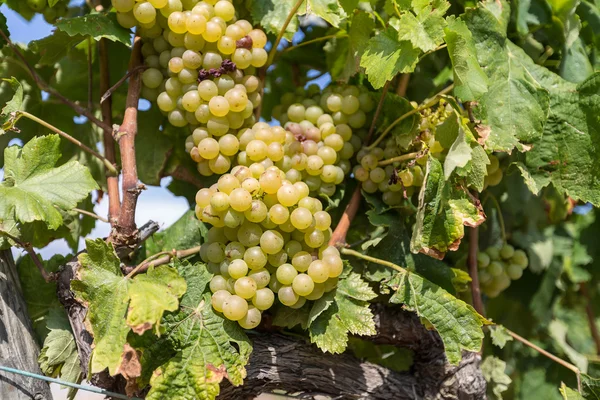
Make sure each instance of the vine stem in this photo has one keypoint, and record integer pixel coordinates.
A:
(48, 277)
(403, 85)
(378, 111)
(403, 157)
(90, 214)
(549, 355)
(385, 263)
(338, 237)
(112, 182)
(474, 271)
(590, 315)
(426, 104)
(164, 257)
(45, 87)
(291, 14)
(125, 227)
(489, 196)
(319, 39)
(109, 166)
(107, 93)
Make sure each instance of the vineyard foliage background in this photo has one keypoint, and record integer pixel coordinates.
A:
(512, 163)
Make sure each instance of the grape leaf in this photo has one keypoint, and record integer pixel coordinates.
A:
(458, 324)
(112, 297)
(493, 371)
(54, 47)
(558, 331)
(98, 26)
(569, 394)
(499, 336)
(349, 5)
(4, 28)
(205, 346)
(443, 212)
(385, 56)
(470, 82)
(425, 30)
(33, 188)
(591, 387)
(58, 356)
(11, 106)
(272, 15)
(329, 10)
(288, 317)
(185, 233)
(349, 312)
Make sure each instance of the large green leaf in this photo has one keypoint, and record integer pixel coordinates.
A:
(54, 47)
(98, 26)
(185, 233)
(11, 106)
(34, 190)
(345, 311)
(458, 324)
(385, 56)
(117, 303)
(470, 82)
(443, 212)
(425, 29)
(271, 14)
(209, 347)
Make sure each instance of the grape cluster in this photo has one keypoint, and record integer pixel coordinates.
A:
(201, 67)
(268, 236)
(494, 172)
(498, 266)
(51, 13)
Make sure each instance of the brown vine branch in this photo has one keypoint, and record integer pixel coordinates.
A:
(549, 355)
(273, 52)
(162, 258)
(474, 271)
(48, 277)
(53, 92)
(112, 182)
(109, 166)
(589, 310)
(338, 237)
(125, 227)
(403, 85)
(378, 111)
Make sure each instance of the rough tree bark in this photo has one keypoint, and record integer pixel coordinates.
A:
(291, 364)
(18, 348)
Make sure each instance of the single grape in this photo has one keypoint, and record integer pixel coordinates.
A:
(255, 257)
(218, 298)
(287, 296)
(235, 308)
(303, 284)
(245, 287)
(238, 269)
(263, 299)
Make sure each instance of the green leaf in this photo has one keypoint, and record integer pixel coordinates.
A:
(470, 82)
(205, 346)
(330, 322)
(288, 317)
(558, 331)
(272, 15)
(185, 233)
(499, 336)
(152, 294)
(4, 28)
(425, 30)
(98, 26)
(329, 10)
(442, 214)
(15, 104)
(54, 47)
(349, 5)
(320, 306)
(457, 323)
(591, 387)
(385, 56)
(493, 371)
(33, 189)
(104, 290)
(569, 394)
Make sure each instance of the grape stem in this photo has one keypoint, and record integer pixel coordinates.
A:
(379, 261)
(108, 92)
(402, 85)
(291, 15)
(319, 39)
(90, 214)
(403, 157)
(489, 196)
(112, 182)
(48, 277)
(426, 104)
(53, 92)
(378, 111)
(162, 258)
(109, 166)
(549, 355)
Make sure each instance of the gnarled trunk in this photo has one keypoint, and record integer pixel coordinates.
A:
(18, 347)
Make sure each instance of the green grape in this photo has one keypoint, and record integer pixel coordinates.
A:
(287, 296)
(286, 274)
(229, 145)
(208, 148)
(263, 299)
(191, 101)
(334, 263)
(287, 195)
(493, 252)
(259, 57)
(314, 238)
(270, 181)
(235, 308)
(520, 258)
(178, 22)
(496, 268)
(256, 150)
(218, 298)
(278, 258)
(237, 99)
(255, 257)
(279, 214)
(301, 261)
(232, 218)
(251, 185)
(483, 260)
(303, 284)
(165, 102)
(334, 102)
(249, 234)
(126, 20)
(252, 318)
(217, 283)
(226, 45)
(301, 301)
(215, 252)
(318, 271)
(271, 242)
(242, 58)
(261, 276)
(240, 199)
(234, 250)
(218, 126)
(292, 248)
(514, 271)
(152, 78)
(257, 212)
(493, 165)
(227, 183)
(507, 251)
(219, 202)
(207, 90)
(245, 287)
(350, 104)
(196, 24)
(144, 12)
(317, 292)
(219, 106)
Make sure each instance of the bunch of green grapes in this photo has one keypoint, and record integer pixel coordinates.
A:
(51, 13)
(268, 237)
(498, 266)
(494, 172)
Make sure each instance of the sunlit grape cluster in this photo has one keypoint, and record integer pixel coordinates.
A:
(498, 266)
(268, 237)
(51, 13)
